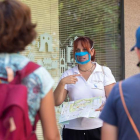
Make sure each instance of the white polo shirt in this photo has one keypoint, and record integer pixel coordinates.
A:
(93, 87)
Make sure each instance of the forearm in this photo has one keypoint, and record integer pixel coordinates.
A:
(59, 94)
(109, 132)
(56, 137)
(108, 89)
(48, 118)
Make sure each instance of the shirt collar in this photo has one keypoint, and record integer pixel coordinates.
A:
(75, 69)
(98, 68)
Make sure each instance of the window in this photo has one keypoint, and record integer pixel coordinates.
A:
(60, 22)
(97, 19)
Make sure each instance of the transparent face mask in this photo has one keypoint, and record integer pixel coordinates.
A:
(81, 57)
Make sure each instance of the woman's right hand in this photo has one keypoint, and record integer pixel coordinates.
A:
(60, 93)
(71, 79)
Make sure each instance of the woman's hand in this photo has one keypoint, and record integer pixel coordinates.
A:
(60, 92)
(72, 79)
(100, 108)
(107, 91)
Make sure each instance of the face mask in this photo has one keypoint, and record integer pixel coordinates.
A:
(82, 54)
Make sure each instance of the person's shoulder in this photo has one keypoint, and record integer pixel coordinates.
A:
(41, 71)
(106, 69)
(116, 87)
(18, 56)
(134, 77)
(25, 61)
(102, 67)
(133, 80)
(44, 76)
(18, 61)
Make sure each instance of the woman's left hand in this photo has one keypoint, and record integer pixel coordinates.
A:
(107, 91)
(100, 108)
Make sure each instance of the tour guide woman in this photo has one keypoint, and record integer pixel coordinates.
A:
(86, 80)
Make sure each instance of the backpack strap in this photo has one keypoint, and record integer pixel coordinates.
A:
(127, 112)
(103, 71)
(28, 69)
(21, 74)
(36, 120)
(10, 74)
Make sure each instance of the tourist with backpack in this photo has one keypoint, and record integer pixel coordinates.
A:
(25, 87)
(122, 111)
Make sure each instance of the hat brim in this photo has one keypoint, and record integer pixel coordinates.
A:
(132, 49)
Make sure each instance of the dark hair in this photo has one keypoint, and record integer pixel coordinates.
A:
(86, 43)
(16, 28)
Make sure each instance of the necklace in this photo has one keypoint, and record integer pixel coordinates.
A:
(90, 69)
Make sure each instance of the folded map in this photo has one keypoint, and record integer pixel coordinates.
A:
(80, 108)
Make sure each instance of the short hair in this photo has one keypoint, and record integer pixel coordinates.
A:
(87, 43)
(16, 28)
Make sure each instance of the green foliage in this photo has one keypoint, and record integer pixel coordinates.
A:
(97, 19)
(91, 18)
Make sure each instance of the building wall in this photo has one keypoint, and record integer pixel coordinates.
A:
(131, 22)
(45, 15)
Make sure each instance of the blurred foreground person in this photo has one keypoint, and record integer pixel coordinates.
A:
(121, 112)
(16, 32)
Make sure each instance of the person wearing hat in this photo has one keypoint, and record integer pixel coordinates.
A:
(121, 113)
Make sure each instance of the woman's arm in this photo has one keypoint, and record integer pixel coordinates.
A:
(47, 116)
(108, 89)
(60, 93)
(109, 132)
